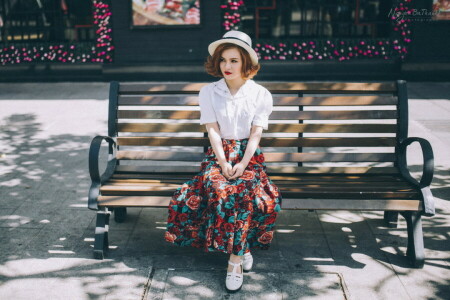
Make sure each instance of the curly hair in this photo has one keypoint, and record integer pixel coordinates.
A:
(212, 64)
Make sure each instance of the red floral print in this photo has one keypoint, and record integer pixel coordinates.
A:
(194, 202)
(212, 213)
(266, 237)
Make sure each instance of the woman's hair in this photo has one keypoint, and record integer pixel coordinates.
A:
(212, 64)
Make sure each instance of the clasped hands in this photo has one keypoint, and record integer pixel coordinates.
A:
(234, 172)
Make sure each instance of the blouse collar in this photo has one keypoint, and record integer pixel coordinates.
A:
(221, 88)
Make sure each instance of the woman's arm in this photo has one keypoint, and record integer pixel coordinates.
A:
(216, 143)
(252, 145)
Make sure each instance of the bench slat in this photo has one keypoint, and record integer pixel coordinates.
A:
(155, 185)
(284, 183)
(353, 204)
(347, 204)
(337, 192)
(276, 115)
(311, 87)
(265, 142)
(303, 178)
(169, 100)
(284, 128)
(270, 157)
(272, 170)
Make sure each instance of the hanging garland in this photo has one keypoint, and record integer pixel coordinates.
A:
(232, 14)
(85, 52)
(329, 49)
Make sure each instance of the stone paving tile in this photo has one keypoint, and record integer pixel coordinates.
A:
(206, 284)
(72, 278)
(5, 215)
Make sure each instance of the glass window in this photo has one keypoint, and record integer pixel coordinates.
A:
(46, 20)
(321, 18)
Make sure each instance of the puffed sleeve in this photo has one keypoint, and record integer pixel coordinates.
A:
(207, 114)
(263, 110)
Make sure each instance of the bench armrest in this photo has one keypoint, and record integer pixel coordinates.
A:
(97, 179)
(427, 171)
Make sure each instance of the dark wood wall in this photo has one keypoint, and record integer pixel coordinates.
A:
(179, 53)
(164, 45)
(430, 41)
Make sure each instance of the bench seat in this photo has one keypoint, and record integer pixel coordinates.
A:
(379, 192)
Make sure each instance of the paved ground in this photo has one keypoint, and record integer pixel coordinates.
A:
(46, 231)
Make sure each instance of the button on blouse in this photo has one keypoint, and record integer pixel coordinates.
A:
(251, 105)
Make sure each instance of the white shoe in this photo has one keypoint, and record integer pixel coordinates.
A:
(234, 280)
(247, 262)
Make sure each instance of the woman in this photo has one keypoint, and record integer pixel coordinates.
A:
(231, 205)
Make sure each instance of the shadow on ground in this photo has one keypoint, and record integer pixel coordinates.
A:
(47, 236)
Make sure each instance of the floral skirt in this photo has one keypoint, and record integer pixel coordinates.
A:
(215, 214)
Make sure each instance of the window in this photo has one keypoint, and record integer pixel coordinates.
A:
(266, 19)
(46, 21)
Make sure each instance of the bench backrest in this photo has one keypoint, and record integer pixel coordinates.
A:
(316, 127)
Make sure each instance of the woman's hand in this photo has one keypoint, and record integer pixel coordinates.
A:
(237, 171)
(227, 169)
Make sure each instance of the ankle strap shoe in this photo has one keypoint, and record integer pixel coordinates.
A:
(234, 280)
(247, 262)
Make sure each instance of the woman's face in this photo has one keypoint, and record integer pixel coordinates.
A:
(231, 64)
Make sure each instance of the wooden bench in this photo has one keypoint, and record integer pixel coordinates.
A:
(330, 145)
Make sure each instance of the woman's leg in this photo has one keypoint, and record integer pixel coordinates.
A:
(234, 259)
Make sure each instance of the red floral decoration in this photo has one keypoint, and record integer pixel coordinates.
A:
(231, 14)
(330, 49)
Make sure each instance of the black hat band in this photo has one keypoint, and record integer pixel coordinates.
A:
(234, 38)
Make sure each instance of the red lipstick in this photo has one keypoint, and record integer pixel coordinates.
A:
(227, 73)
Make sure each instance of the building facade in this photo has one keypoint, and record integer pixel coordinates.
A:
(167, 39)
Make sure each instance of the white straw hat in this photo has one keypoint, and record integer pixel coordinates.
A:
(238, 38)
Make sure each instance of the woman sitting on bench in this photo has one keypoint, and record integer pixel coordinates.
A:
(231, 205)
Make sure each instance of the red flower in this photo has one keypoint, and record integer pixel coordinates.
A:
(175, 231)
(264, 179)
(182, 217)
(217, 178)
(193, 202)
(254, 224)
(170, 237)
(260, 158)
(239, 224)
(230, 189)
(222, 193)
(248, 175)
(172, 216)
(240, 188)
(228, 227)
(270, 219)
(266, 238)
(247, 199)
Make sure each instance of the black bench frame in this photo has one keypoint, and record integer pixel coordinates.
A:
(415, 250)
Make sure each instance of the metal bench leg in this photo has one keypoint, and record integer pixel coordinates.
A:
(120, 214)
(101, 233)
(415, 250)
(391, 219)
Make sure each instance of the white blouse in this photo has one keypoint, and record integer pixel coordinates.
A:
(251, 105)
